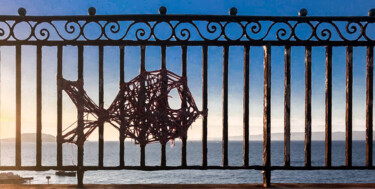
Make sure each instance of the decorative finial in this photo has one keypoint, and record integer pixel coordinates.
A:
(22, 11)
(303, 12)
(92, 11)
(163, 10)
(371, 12)
(233, 11)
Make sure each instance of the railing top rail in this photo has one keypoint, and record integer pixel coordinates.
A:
(177, 29)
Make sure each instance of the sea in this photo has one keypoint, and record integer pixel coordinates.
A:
(194, 157)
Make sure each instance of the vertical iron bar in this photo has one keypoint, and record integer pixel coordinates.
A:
(0, 106)
(246, 106)
(142, 69)
(349, 104)
(204, 106)
(122, 134)
(369, 103)
(101, 106)
(225, 105)
(39, 106)
(183, 105)
(143, 61)
(267, 117)
(59, 106)
(163, 57)
(18, 105)
(308, 106)
(122, 64)
(287, 107)
(328, 103)
(143, 155)
(163, 160)
(80, 122)
(163, 157)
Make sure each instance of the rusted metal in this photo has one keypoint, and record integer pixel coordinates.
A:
(122, 134)
(101, 106)
(163, 156)
(39, 106)
(147, 119)
(318, 32)
(246, 87)
(163, 160)
(182, 29)
(328, 104)
(349, 106)
(143, 59)
(18, 105)
(369, 103)
(204, 106)
(183, 152)
(122, 64)
(183, 103)
(141, 100)
(307, 106)
(59, 106)
(267, 117)
(80, 123)
(287, 107)
(143, 156)
(163, 57)
(225, 105)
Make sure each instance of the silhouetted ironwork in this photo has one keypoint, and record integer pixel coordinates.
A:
(152, 121)
(185, 31)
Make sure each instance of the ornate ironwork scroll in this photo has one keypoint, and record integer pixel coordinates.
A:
(185, 28)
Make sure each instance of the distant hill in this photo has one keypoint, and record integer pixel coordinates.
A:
(317, 136)
(31, 137)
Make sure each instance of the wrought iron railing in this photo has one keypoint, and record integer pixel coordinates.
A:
(200, 30)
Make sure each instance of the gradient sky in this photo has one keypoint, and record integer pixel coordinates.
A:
(132, 60)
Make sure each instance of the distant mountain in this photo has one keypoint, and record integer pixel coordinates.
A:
(317, 136)
(31, 137)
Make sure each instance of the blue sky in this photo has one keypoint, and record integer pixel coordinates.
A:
(132, 59)
(219, 7)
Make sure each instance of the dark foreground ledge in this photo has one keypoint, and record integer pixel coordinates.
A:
(159, 186)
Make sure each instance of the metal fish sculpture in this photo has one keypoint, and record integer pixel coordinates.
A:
(140, 110)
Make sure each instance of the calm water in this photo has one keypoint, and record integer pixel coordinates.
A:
(111, 158)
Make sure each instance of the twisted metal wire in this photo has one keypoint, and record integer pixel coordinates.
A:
(140, 109)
